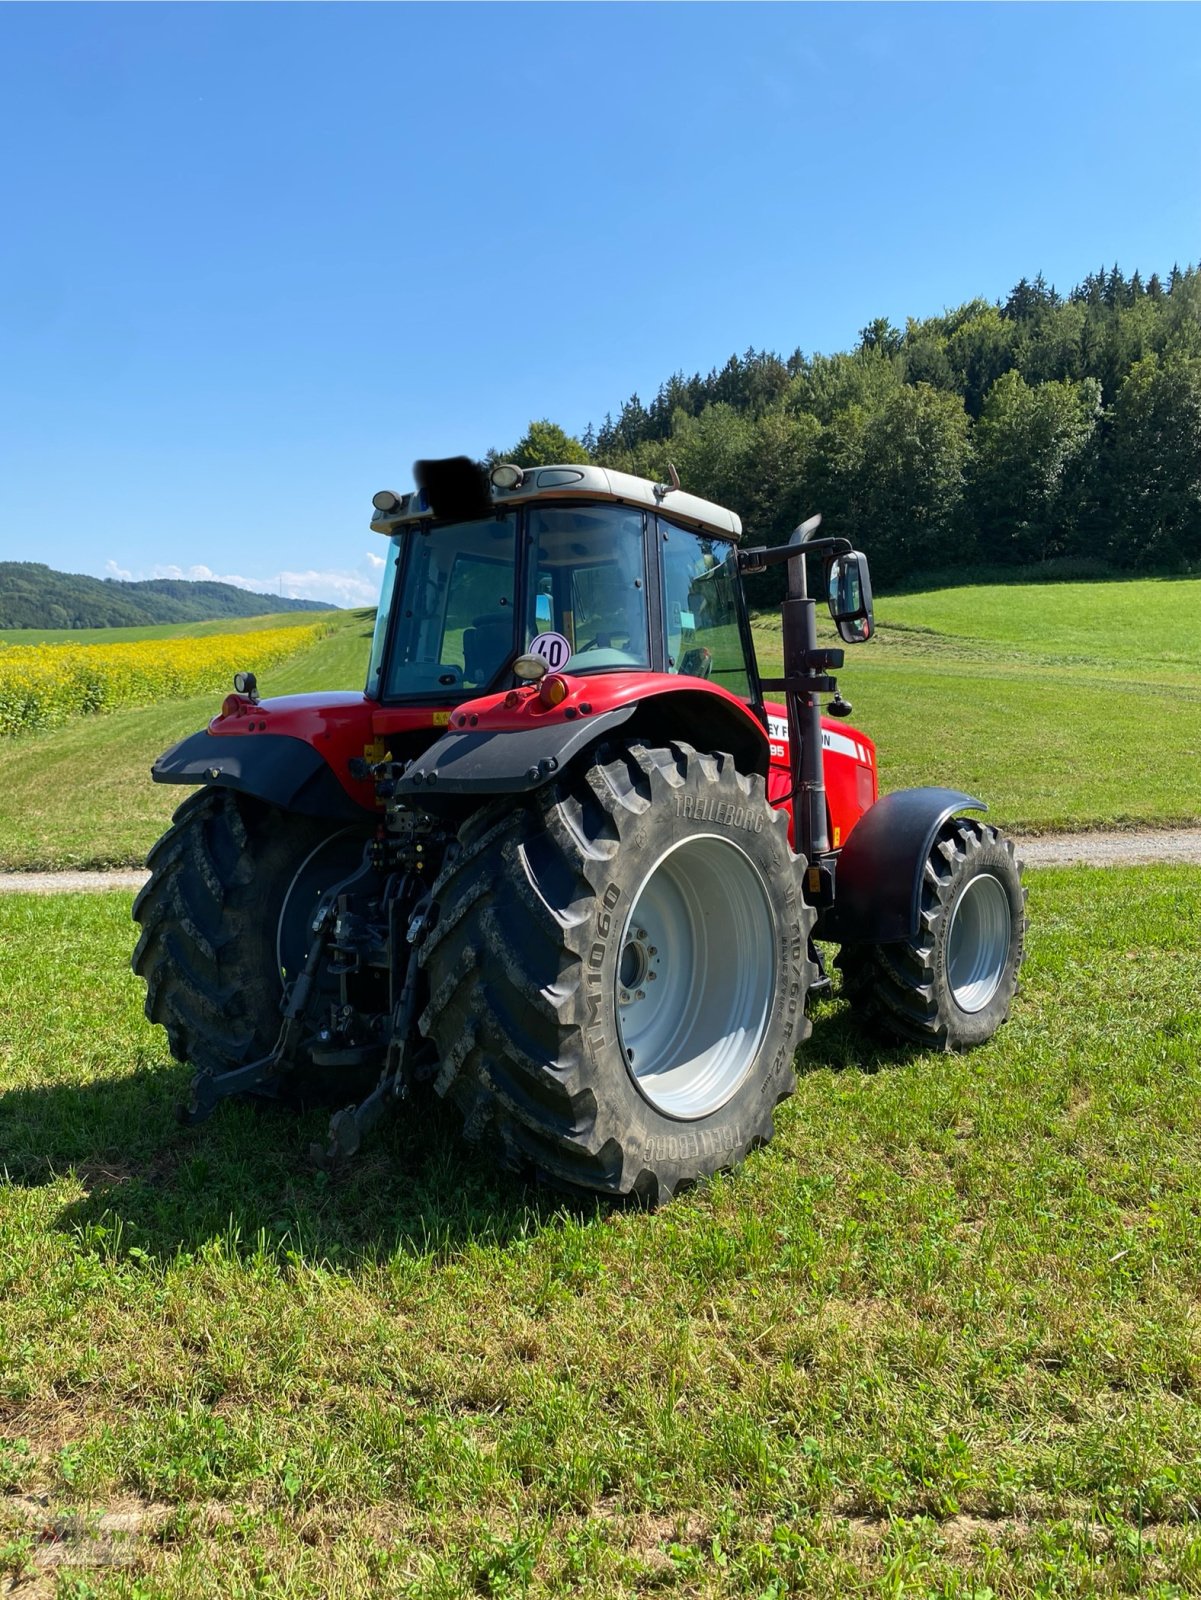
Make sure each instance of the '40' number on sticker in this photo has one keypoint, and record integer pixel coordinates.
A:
(553, 648)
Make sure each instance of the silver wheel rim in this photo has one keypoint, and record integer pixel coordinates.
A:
(696, 977)
(978, 942)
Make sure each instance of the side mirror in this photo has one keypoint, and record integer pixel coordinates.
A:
(850, 597)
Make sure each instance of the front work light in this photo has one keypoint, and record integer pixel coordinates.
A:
(506, 475)
(386, 500)
(529, 668)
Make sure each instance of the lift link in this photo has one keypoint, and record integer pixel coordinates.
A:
(208, 1089)
(350, 1126)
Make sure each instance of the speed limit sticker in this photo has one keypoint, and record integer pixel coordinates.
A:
(553, 648)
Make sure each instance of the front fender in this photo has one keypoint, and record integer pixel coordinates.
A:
(285, 772)
(879, 877)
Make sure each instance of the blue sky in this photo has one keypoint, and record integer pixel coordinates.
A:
(256, 259)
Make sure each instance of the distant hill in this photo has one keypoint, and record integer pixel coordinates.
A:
(35, 596)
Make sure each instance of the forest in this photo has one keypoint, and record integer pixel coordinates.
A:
(33, 595)
(1043, 436)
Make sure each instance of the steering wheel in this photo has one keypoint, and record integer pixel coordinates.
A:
(610, 643)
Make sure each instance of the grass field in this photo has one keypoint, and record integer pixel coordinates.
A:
(81, 796)
(1062, 705)
(165, 630)
(941, 1338)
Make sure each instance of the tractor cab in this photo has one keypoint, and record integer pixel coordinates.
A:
(594, 571)
(588, 575)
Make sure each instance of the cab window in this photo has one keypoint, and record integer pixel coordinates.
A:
(456, 623)
(701, 610)
(588, 582)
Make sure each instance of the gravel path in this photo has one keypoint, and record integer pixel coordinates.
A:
(1116, 848)
(56, 882)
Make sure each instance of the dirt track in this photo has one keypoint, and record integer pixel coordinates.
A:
(57, 882)
(1116, 848)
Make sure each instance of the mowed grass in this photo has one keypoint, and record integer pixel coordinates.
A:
(940, 1338)
(82, 796)
(1062, 706)
(1148, 623)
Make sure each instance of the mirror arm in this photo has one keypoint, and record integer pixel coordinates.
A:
(761, 556)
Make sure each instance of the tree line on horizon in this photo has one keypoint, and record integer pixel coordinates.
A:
(33, 595)
(1045, 435)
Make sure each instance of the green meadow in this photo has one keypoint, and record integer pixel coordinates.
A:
(1062, 705)
(940, 1338)
(81, 795)
(165, 630)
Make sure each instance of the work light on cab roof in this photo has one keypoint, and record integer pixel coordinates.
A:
(570, 858)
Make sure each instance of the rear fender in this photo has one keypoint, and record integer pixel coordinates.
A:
(878, 885)
(707, 719)
(283, 771)
(294, 751)
(510, 744)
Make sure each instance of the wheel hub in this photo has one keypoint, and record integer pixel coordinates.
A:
(635, 969)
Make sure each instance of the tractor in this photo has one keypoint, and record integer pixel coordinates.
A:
(570, 859)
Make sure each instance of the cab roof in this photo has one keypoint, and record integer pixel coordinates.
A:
(573, 482)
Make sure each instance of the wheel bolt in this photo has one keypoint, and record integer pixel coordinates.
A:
(641, 995)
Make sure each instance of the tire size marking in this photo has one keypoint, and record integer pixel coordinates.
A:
(697, 808)
(791, 1005)
(594, 983)
(791, 995)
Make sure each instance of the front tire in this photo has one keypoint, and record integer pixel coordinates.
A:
(951, 985)
(617, 973)
(224, 917)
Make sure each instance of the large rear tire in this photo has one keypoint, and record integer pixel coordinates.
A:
(225, 917)
(617, 973)
(950, 986)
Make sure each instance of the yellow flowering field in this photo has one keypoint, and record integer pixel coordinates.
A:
(42, 685)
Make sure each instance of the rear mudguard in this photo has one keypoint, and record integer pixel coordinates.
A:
(302, 752)
(511, 761)
(284, 771)
(510, 744)
(878, 885)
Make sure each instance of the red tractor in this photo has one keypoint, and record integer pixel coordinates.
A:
(565, 858)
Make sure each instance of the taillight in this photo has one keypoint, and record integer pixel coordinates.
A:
(552, 691)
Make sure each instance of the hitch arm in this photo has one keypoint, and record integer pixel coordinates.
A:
(350, 1126)
(208, 1089)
